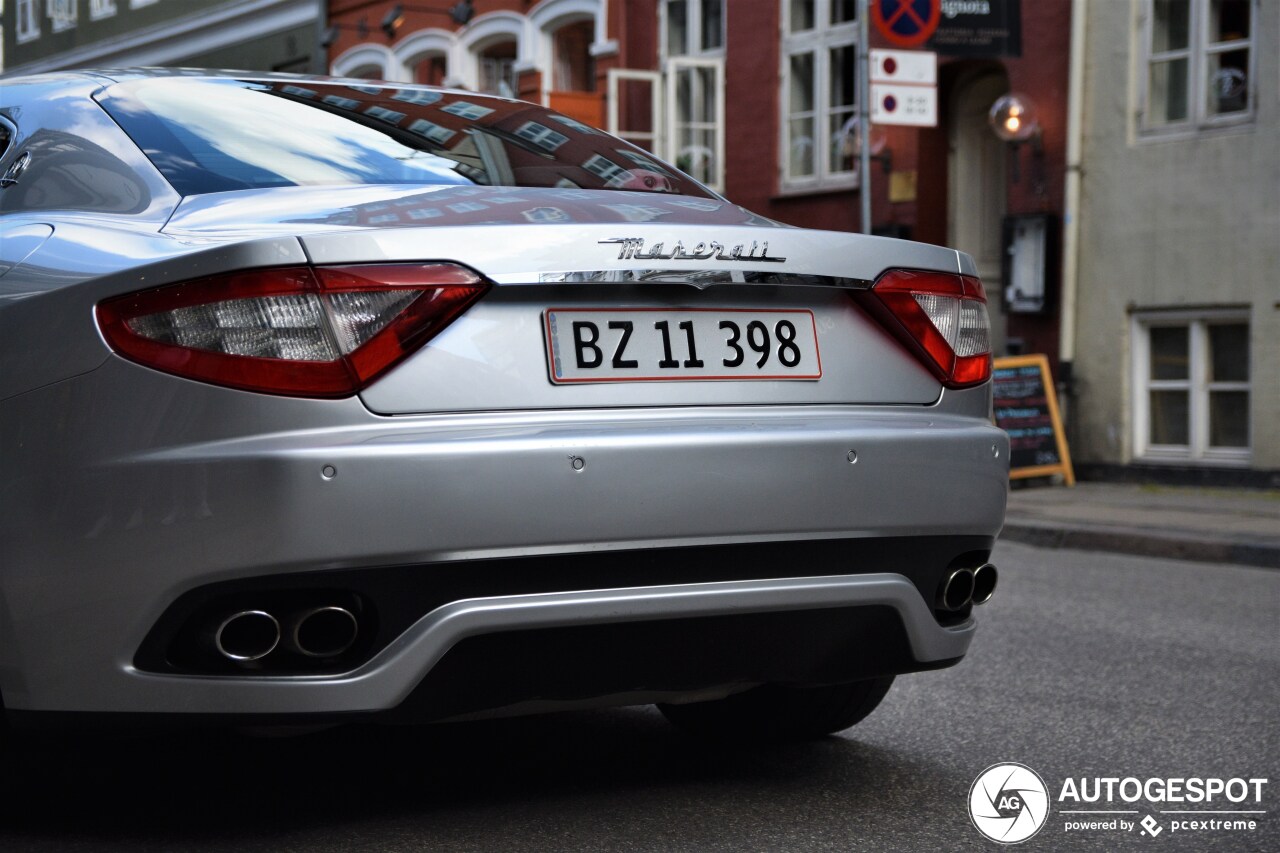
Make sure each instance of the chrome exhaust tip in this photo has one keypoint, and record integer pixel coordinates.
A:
(323, 632)
(956, 590)
(247, 635)
(984, 583)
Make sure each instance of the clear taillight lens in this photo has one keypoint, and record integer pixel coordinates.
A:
(941, 317)
(322, 332)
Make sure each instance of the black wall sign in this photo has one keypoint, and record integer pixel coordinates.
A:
(979, 28)
(1026, 407)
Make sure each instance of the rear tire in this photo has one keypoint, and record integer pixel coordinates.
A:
(776, 712)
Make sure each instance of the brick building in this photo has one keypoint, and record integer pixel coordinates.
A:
(756, 98)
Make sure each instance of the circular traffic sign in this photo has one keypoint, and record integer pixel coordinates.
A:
(906, 23)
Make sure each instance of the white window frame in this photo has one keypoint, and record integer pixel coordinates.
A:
(606, 170)
(653, 140)
(62, 14)
(819, 41)
(99, 9)
(31, 32)
(1197, 53)
(1197, 385)
(693, 58)
(541, 135)
(675, 66)
(692, 29)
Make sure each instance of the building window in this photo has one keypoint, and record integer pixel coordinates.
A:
(431, 130)
(467, 110)
(693, 64)
(573, 66)
(99, 9)
(1198, 63)
(541, 135)
(416, 96)
(606, 169)
(693, 27)
(819, 86)
(431, 70)
(1191, 387)
(62, 15)
(575, 124)
(28, 25)
(497, 66)
(389, 116)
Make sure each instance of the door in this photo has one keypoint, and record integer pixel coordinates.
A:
(976, 197)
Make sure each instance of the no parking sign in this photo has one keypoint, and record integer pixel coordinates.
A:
(906, 23)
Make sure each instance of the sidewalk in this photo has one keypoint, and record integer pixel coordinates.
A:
(1212, 525)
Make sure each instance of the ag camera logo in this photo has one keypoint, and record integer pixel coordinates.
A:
(1008, 802)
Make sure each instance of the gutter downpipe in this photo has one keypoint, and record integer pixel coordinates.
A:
(1071, 224)
(864, 116)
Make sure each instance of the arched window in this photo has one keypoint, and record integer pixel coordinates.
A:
(367, 62)
(573, 68)
(565, 32)
(428, 57)
(496, 63)
(431, 69)
(492, 48)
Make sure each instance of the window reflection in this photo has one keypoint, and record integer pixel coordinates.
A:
(218, 135)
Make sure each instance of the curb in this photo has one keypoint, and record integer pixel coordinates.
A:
(1144, 543)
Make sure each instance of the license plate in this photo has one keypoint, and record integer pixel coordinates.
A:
(680, 344)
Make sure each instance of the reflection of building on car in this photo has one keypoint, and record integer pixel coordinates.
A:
(333, 398)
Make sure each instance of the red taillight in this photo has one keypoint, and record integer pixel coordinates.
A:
(941, 317)
(300, 331)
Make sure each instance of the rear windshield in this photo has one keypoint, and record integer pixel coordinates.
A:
(209, 136)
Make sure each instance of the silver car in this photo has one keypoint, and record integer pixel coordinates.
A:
(334, 399)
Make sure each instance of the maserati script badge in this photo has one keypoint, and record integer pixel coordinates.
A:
(632, 248)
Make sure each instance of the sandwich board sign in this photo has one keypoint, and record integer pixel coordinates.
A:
(1026, 407)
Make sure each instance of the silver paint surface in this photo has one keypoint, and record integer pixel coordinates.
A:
(122, 488)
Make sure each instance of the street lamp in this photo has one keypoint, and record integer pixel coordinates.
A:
(1015, 120)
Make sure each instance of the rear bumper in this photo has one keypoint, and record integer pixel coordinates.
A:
(103, 532)
(392, 676)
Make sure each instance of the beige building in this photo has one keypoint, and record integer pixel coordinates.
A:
(1171, 319)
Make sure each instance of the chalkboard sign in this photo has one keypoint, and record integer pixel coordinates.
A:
(1026, 407)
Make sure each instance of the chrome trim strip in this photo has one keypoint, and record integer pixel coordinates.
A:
(694, 278)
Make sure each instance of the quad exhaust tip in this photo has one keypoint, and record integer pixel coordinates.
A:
(967, 586)
(984, 583)
(957, 589)
(323, 632)
(247, 635)
(319, 632)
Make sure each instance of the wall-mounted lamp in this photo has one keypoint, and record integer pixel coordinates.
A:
(1015, 119)
(460, 13)
(330, 33)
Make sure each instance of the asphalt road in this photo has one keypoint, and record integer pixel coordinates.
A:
(1085, 665)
